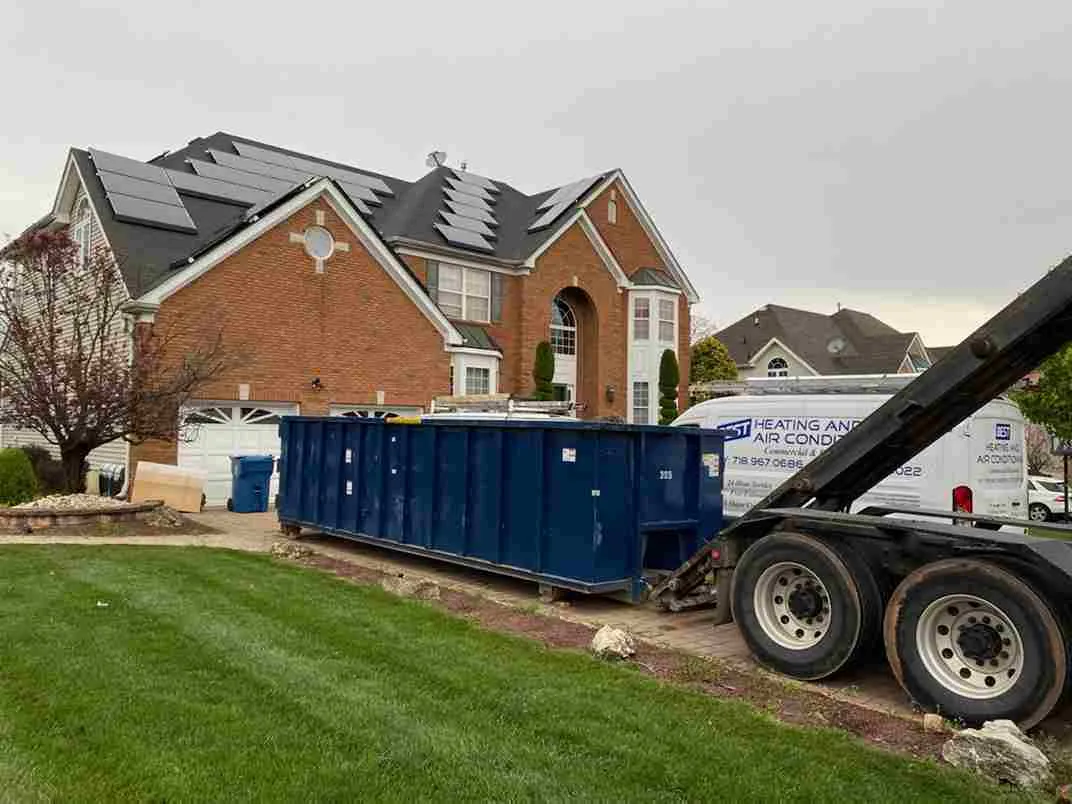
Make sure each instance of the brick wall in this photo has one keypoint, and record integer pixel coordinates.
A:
(627, 239)
(351, 326)
(599, 364)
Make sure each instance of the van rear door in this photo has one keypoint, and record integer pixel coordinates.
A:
(999, 472)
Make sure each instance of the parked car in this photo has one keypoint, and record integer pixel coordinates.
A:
(1046, 498)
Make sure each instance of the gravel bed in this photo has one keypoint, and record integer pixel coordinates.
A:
(72, 502)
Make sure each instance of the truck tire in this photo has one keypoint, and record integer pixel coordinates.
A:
(973, 641)
(1038, 512)
(806, 607)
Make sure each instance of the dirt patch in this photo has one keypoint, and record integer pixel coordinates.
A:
(787, 702)
(165, 522)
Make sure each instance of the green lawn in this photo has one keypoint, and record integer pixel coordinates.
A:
(212, 675)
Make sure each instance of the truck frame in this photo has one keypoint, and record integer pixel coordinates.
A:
(976, 622)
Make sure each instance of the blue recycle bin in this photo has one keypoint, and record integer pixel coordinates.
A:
(251, 477)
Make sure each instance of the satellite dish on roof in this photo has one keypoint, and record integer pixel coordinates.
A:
(436, 159)
(836, 346)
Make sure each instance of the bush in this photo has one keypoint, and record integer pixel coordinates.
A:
(47, 470)
(543, 372)
(669, 377)
(17, 481)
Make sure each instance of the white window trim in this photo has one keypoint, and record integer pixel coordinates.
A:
(632, 401)
(660, 321)
(474, 369)
(461, 360)
(784, 368)
(758, 359)
(633, 319)
(453, 260)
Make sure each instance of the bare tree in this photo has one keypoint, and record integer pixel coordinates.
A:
(700, 327)
(1037, 452)
(67, 369)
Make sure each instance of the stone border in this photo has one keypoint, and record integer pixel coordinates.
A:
(22, 520)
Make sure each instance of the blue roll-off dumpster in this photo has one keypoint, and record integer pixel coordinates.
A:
(592, 507)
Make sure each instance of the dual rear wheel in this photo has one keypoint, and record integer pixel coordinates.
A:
(965, 637)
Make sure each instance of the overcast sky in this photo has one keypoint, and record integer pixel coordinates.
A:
(910, 162)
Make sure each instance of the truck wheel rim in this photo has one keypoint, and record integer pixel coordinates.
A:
(970, 646)
(1037, 514)
(792, 605)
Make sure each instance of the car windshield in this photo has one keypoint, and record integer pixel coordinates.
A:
(1056, 486)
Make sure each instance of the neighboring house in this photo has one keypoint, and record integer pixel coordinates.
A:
(779, 341)
(351, 292)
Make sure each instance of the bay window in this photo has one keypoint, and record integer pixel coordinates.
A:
(667, 310)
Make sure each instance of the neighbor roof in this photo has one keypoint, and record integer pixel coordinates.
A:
(847, 342)
(402, 212)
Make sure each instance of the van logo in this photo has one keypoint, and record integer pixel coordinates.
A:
(1003, 432)
(742, 428)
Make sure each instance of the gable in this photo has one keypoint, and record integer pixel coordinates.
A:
(324, 196)
(626, 237)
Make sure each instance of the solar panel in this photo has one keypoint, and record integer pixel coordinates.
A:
(472, 178)
(232, 176)
(357, 191)
(471, 224)
(127, 167)
(470, 189)
(463, 237)
(360, 205)
(471, 212)
(316, 168)
(468, 200)
(568, 193)
(216, 190)
(261, 168)
(125, 185)
(151, 213)
(550, 215)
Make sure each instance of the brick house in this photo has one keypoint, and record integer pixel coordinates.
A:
(776, 341)
(349, 292)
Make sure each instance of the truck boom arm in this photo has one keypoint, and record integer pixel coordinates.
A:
(1035, 325)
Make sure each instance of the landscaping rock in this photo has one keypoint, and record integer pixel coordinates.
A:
(291, 550)
(1000, 752)
(934, 724)
(419, 588)
(164, 517)
(613, 642)
(72, 502)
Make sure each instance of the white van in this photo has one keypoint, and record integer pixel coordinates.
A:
(979, 463)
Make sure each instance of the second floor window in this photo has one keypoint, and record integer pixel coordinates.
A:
(464, 292)
(641, 319)
(81, 232)
(666, 320)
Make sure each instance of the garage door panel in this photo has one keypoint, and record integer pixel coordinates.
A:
(222, 431)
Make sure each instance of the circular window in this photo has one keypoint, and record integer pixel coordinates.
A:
(319, 243)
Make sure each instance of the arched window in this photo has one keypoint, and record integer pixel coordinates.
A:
(778, 367)
(81, 231)
(563, 328)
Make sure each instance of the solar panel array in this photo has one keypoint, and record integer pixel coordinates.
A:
(559, 201)
(469, 211)
(140, 193)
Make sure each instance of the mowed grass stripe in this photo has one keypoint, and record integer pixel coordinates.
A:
(219, 675)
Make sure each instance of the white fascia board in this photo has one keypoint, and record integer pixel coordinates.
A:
(754, 361)
(63, 194)
(452, 260)
(659, 288)
(649, 227)
(357, 225)
(469, 350)
(530, 261)
(598, 244)
(603, 250)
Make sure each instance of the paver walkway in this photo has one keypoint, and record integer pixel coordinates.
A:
(691, 632)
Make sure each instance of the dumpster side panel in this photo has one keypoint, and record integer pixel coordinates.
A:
(523, 499)
(451, 491)
(570, 524)
(420, 501)
(330, 477)
(350, 477)
(485, 494)
(615, 542)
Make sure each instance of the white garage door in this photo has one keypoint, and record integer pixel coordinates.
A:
(384, 412)
(214, 432)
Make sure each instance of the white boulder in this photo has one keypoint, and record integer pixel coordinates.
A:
(999, 751)
(613, 642)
